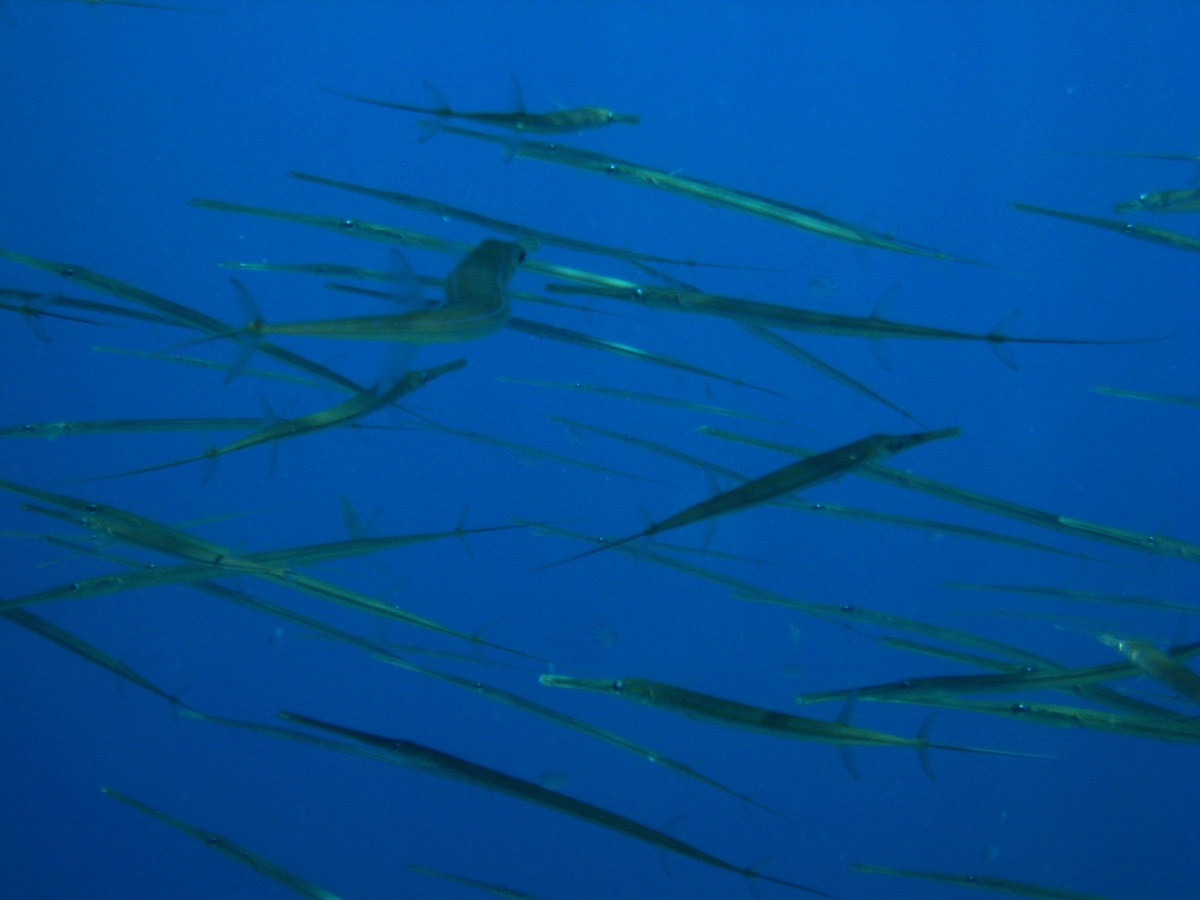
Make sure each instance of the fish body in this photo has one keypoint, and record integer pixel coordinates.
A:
(348, 411)
(707, 192)
(435, 762)
(791, 318)
(731, 713)
(234, 851)
(476, 306)
(1129, 229)
(561, 121)
(984, 882)
(794, 477)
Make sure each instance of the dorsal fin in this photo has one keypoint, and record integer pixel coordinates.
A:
(923, 746)
(208, 465)
(884, 308)
(460, 531)
(247, 341)
(437, 103)
(998, 339)
(846, 716)
(350, 519)
(516, 97)
(846, 755)
(405, 286)
(31, 314)
(845, 751)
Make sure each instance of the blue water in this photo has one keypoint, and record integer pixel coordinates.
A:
(923, 120)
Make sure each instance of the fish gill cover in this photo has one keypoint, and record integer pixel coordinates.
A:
(660, 312)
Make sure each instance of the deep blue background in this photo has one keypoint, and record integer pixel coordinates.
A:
(924, 120)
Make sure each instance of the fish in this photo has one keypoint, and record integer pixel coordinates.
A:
(176, 313)
(53, 430)
(301, 556)
(1070, 594)
(809, 220)
(985, 882)
(123, 525)
(932, 526)
(476, 306)
(497, 889)
(424, 280)
(792, 318)
(579, 339)
(1161, 545)
(344, 413)
(1129, 229)
(732, 714)
(769, 337)
(1193, 402)
(794, 477)
(435, 762)
(31, 302)
(642, 397)
(357, 228)
(236, 852)
(138, 4)
(1177, 730)
(267, 567)
(215, 365)
(845, 616)
(1037, 674)
(388, 234)
(1162, 667)
(562, 121)
(33, 311)
(85, 651)
(499, 695)
(547, 238)
(210, 560)
(1177, 200)
(525, 451)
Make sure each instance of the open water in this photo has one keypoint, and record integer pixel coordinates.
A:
(921, 120)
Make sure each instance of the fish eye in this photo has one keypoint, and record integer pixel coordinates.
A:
(28, 427)
(347, 223)
(611, 168)
(971, 878)
(618, 686)
(520, 256)
(74, 586)
(906, 683)
(68, 272)
(848, 609)
(92, 507)
(478, 686)
(1020, 707)
(640, 293)
(1028, 670)
(1143, 197)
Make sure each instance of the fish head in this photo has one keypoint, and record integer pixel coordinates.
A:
(891, 444)
(424, 376)
(1144, 201)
